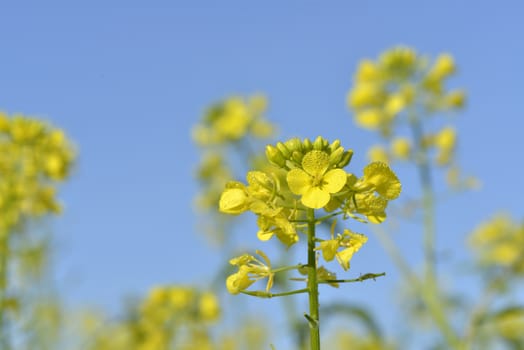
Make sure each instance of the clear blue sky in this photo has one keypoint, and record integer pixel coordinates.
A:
(127, 81)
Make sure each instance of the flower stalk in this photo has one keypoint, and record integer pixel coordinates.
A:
(312, 284)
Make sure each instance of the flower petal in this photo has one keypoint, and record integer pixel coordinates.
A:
(233, 201)
(334, 180)
(315, 162)
(299, 181)
(315, 198)
(383, 178)
(329, 249)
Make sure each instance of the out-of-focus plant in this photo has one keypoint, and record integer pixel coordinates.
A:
(228, 136)
(34, 159)
(307, 178)
(168, 318)
(400, 95)
(498, 316)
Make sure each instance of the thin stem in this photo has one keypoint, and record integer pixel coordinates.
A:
(367, 276)
(262, 294)
(4, 252)
(362, 278)
(426, 292)
(313, 317)
(287, 268)
(427, 202)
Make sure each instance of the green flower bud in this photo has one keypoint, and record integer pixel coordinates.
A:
(275, 156)
(297, 156)
(282, 148)
(336, 156)
(293, 144)
(318, 143)
(346, 158)
(307, 145)
(334, 145)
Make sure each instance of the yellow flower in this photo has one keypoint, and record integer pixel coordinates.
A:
(352, 242)
(370, 118)
(250, 270)
(395, 103)
(455, 99)
(314, 181)
(235, 198)
(277, 225)
(209, 307)
(378, 154)
(366, 94)
(401, 148)
(444, 66)
(445, 141)
(367, 71)
(379, 177)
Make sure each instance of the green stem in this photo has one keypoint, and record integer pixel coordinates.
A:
(4, 252)
(312, 284)
(427, 202)
(426, 292)
(262, 294)
(367, 276)
(287, 268)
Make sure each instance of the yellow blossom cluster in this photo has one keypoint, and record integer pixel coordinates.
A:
(34, 157)
(306, 175)
(404, 88)
(498, 243)
(233, 119)
(234, 125)
(170, 317)
(401, 81)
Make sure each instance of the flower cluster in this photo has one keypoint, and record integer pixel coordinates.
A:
(306, 175)
(234, 125)
(233, 119)
(403, 88)
(34, 157)
(168, 317)
(498, 244)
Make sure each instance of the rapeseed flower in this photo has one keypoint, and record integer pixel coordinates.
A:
(315, 182)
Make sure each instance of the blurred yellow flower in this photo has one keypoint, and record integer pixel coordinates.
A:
(401, 148)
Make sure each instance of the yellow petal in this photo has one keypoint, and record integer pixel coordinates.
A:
(315, 162)
(233, 201)
(383, 178)
(369, 118)
(334, 180)
(345, 256)
(264, 235)
(315, 198)
(299, 181)
(329, 249)
(238, 282)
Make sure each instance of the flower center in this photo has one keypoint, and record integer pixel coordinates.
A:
(318, 180)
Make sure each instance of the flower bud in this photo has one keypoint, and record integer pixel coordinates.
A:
(285, 151)
(307, 145)
(275, 156)
(293, 144)
(336, 156)
(334, 145)
(297, 157)
(318, 143)
(345, 159)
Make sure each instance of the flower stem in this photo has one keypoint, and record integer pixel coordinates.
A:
(4, 252)
(313, 317)
(262, 294)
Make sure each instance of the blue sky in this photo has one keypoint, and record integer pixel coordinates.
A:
(127, 81)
